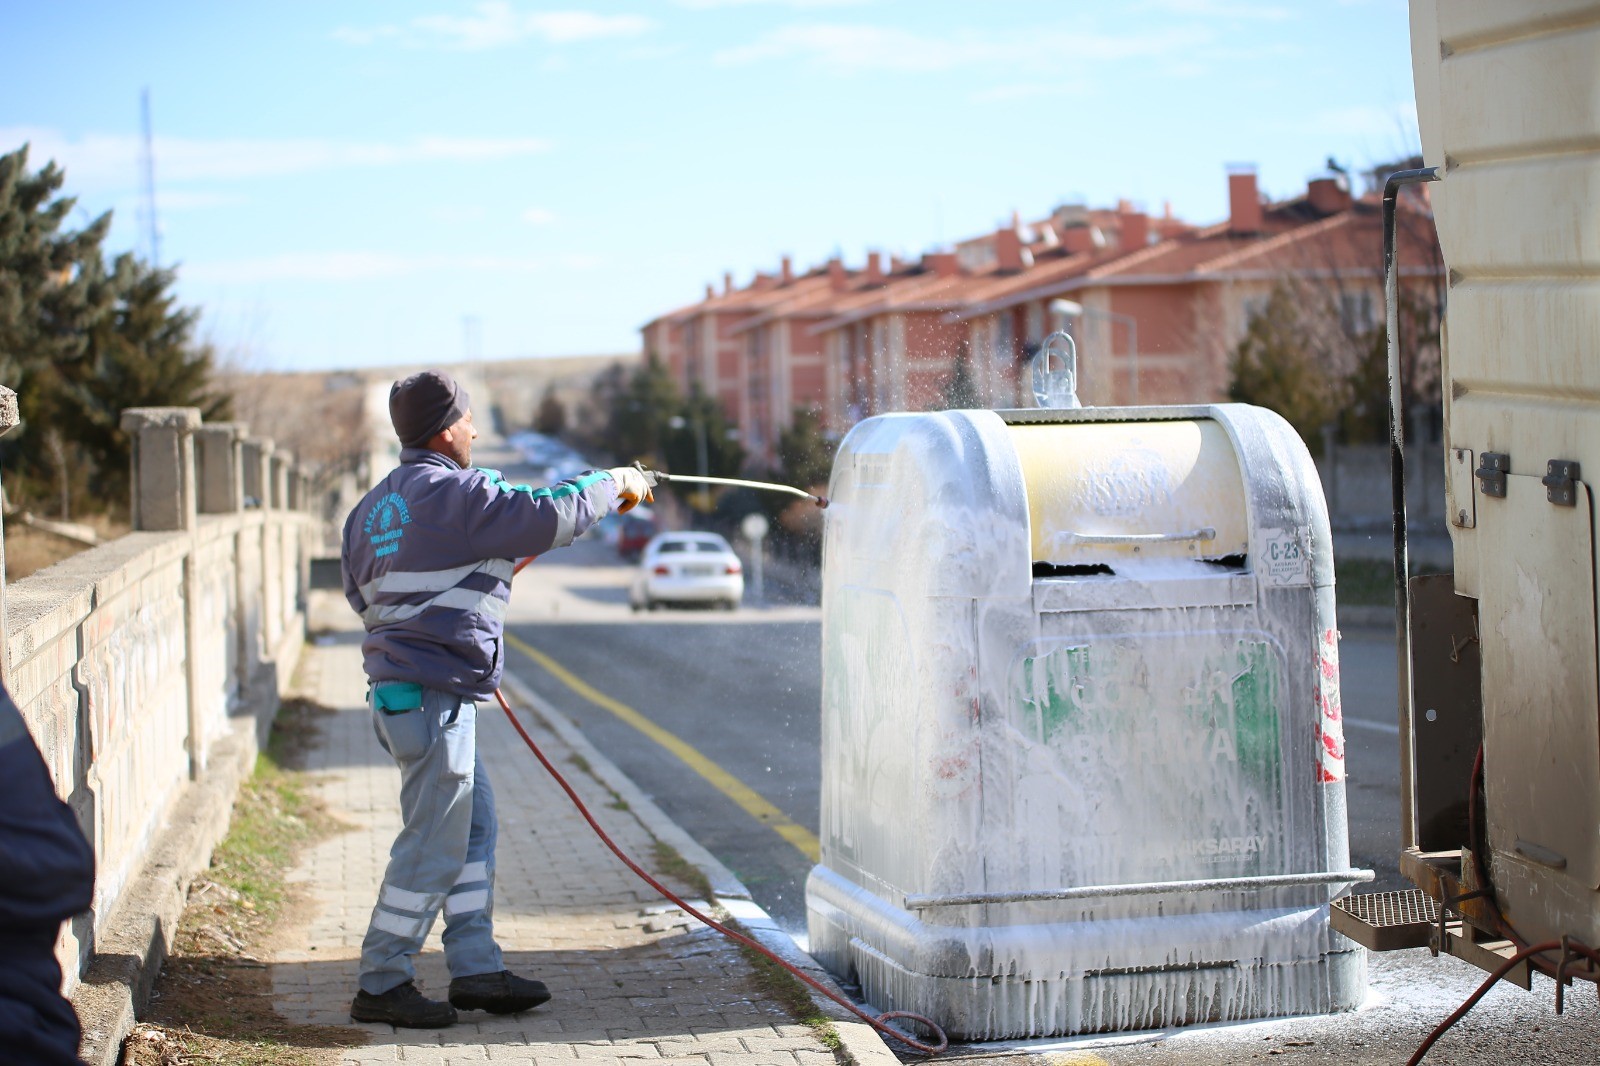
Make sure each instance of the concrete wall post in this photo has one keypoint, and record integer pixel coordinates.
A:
(257, 460)
(219, 454)
(281, 464)
(163, 466)
(166, 499)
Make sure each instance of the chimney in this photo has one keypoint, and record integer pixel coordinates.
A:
(1244, 202)
(1133, 230)
(1077, 239)
(874, 268)
(711, 290)
(787, 274)
(1328, 196)
(727, 281)
(1008, 250)
(837, 278)
(943, 264)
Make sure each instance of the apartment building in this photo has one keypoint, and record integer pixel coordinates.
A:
(1157, 307)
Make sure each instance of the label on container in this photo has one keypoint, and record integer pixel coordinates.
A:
(1284, 558)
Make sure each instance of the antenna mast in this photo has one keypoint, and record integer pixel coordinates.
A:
(148, 166)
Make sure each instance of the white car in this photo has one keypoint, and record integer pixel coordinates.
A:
(687, 568)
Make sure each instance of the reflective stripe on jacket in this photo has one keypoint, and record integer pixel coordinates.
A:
(427, 561)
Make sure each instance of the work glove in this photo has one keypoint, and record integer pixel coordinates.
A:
(633, 484)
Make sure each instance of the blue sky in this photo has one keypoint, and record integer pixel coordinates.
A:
(345, 184)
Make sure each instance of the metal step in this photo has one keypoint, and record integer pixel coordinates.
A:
(1387, 921)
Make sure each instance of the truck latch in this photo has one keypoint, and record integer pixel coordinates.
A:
(1559, 482)
(1492, 470)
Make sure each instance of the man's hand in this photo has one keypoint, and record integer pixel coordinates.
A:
(633, 484)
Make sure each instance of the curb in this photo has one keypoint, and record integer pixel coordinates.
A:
(861, 1043)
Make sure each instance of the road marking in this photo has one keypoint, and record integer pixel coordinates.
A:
(748, 799)
(1377, 727)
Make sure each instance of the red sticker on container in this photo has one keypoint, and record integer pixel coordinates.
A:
(1330, 716)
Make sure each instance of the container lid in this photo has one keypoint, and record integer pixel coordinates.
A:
(1130, 492)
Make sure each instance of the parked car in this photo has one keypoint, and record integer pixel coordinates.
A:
(687, 568)
(635, 531)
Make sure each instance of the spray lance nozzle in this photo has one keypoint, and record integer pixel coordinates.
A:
(763, 486)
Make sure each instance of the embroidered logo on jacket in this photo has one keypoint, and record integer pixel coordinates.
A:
(380, 526)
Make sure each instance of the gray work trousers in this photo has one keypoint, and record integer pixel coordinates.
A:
(444, 855)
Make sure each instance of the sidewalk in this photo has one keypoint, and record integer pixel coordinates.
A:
(633, 978)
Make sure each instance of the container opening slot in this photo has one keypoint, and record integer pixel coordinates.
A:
(1070, 569)
(1229, 562)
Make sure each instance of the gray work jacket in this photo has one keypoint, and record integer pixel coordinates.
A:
(427, 560)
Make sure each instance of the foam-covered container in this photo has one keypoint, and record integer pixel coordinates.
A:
(1082, 760)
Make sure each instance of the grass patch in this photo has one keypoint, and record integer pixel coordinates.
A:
(213, 999)
(784, 988)
(671, 864)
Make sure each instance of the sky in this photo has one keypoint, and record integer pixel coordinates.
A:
(353, 183)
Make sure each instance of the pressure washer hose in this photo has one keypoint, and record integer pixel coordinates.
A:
(880, 1022)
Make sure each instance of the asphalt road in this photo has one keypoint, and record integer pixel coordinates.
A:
(742, 689)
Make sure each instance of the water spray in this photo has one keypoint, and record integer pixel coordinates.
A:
(763, 486)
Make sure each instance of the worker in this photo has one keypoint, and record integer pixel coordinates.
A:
(427, 563)
(46, 876)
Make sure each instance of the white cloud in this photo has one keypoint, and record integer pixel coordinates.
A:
(99, 161)
(370, 266)
(856, 48)
(538, 216)
(497, 24)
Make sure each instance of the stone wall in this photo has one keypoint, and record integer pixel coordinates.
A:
(147, 669)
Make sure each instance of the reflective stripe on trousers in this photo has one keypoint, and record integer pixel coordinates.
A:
(443, 857)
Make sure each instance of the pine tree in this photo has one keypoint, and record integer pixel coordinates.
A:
(806, 455)
(53, 288)
(142, 354)
(81, 341)
(637, 410)
(551, 417)
(1275, 367)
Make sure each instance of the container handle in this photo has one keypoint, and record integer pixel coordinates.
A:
(1056, 389)
(1203, 533)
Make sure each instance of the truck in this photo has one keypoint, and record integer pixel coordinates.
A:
(1499, 706)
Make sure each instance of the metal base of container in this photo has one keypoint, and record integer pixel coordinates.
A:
(1037, 980)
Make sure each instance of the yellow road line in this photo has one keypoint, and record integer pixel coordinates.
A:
(748, 799)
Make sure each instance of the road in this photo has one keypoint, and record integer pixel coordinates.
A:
(715, 716)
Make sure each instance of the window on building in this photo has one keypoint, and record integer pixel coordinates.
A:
(1355, 312)
(1254, 307)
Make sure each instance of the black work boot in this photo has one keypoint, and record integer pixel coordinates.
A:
(403, 1007)
(497, 993)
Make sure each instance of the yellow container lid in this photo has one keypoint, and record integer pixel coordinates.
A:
(1125, 492)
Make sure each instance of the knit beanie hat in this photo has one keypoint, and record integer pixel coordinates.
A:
(424, 404)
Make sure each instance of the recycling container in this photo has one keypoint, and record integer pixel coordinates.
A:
(1083, 766)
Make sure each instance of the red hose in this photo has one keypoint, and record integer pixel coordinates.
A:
(1483, 989)
(879, 1023)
